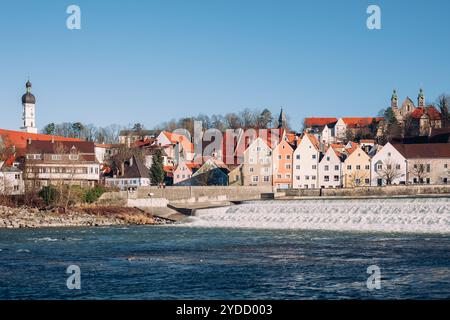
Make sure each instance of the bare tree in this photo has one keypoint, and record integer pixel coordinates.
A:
(357, 178)
(389, 172)
(419, 171)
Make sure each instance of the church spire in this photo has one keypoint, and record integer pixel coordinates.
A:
(282, 122)
(421, 99)
(394, 99)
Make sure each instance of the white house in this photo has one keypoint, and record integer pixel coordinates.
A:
(306, 163)
(330, 169)
(388, 167)
(257, 166)
(11, 180)
(134, 174)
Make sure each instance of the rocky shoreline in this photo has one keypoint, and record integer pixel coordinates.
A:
(30, 218)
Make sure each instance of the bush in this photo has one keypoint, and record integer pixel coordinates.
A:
(92, 195)
(49, 194)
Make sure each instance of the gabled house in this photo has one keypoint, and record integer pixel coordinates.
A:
(282, 160)
(235, 176)
(183, 147)
(330, 169)
(388, 167)
(132, 175)
(184, 171)
(356, 169)
(213, 172)
(306, 163)
(257, 166)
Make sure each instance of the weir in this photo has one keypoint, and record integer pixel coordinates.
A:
(416, 215)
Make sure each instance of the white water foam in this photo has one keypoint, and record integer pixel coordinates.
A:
(416, 215)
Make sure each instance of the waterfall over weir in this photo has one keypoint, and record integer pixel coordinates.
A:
(419, 215)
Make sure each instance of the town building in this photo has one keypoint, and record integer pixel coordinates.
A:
(60, 162)
(388, 167)
(257, 165)
(426, 164)
(184, 171)
(282, 165)
(132, 175)
(11, 179)
(306, 163)
(356, 169)
(129, 137)
(330, 169)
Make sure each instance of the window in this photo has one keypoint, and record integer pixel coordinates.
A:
(314, 167)
(328, 158)
(389, 154)
(445, 166)
(56, 157)
(279, 176)
(288, 157)
(266, 178)
(357, 182)
(349, 167)
(367, 167)
(251, 169)
(288, 176)
(279, 157)
(288, 166)
(336, 178)
(336, 168)
(326, 178)
(297, 157)
(358, 167)
(313, 177)
(326, 168)
(398, 167)
(16, 188)
(367, 181)
(379, 166)
(306, 177)
(255, 178)
(314, 156)
(17, 177)
(297, 167)
(73, 157)
(297, 177)
(428, 168)
(251, 160)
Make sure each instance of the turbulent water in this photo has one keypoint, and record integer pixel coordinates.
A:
(267, 257)
(418, 215)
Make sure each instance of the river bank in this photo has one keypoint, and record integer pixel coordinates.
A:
(30, 218)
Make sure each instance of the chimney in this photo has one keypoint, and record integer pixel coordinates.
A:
(29, 141)
(53, 139)
(131, 161)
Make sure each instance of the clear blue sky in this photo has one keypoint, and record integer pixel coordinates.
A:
(150, 61)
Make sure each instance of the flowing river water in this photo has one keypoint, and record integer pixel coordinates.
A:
(258, 250)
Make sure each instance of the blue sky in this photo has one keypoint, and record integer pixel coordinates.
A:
(151, 61)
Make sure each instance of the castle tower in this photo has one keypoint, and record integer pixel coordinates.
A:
(282, 121)
(29, 110)
(394, 100)
(421, 99)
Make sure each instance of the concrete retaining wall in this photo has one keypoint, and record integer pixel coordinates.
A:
(371, 191)
(190, 194)
(147, 203)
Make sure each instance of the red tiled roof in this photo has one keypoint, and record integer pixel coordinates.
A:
(319, 122)
(432, 112)
(20, 139)
(360, 122)
(424, 151)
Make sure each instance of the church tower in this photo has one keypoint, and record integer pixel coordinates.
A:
(421, 99)
(29, 110)
(394, 100)
(282, 121)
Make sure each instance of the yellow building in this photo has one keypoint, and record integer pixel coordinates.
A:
(356, 169)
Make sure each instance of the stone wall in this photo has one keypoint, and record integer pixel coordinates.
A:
(190, 194)
(372, 191)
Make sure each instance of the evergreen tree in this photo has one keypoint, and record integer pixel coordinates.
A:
(157, 169)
